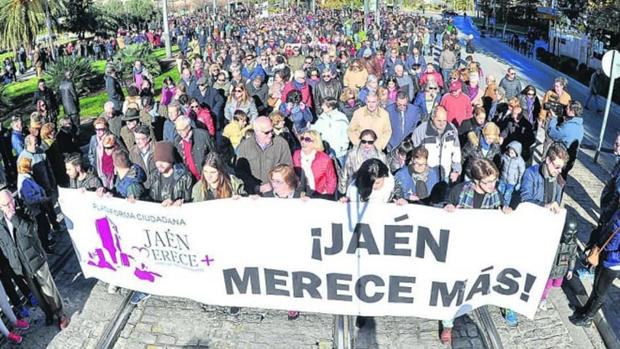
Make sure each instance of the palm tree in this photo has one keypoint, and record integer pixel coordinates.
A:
(22, 20)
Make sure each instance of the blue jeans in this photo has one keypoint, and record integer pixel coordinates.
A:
(506, 190)
(596, 97)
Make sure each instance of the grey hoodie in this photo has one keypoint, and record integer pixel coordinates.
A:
(513, 168)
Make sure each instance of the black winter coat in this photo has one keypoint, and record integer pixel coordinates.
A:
(69, 97)
(26, 249)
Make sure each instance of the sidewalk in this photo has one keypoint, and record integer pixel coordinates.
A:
(495, 54)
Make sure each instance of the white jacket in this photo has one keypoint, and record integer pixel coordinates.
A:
(444, 151)
(333, 127)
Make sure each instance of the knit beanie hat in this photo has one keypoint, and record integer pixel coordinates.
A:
(164, 151)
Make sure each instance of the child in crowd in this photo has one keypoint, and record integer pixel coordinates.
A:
(564, 262)
(513, 167)
(235, 130)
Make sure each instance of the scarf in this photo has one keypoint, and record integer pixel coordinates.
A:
(419, 179)
(466, 198)
(550, 187)
(298, 85)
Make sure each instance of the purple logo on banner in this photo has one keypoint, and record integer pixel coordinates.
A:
(111, 248)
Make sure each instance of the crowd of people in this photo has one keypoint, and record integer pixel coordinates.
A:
(302, 106)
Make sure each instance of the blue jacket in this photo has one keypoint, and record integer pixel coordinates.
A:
(569, 131)
(533, 186)
(611, 256)
(420, 102)
(401, 128)
(408, 187)
(17, 141)
(411, 61)
(31, 192)
(131, 184)
(252, 74)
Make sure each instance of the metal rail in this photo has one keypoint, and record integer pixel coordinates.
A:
(489, 332)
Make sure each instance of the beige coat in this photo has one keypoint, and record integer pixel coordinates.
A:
(379, 121)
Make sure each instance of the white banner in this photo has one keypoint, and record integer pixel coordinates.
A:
(319, 256)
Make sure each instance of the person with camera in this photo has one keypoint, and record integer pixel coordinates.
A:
(568, 130)
(555, 99)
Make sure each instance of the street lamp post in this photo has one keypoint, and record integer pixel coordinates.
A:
(366, 15)
(166, 29)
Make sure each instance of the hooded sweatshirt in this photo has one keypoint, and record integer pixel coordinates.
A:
(513, 168)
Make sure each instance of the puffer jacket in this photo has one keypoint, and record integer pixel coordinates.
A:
(323, 171)
(444, 150)
(182, 188)
(25, 253)
(513, 168)
(353, 163)
(333, 128)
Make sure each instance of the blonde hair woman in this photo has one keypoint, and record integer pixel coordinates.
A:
(240, 100)
(314, 166)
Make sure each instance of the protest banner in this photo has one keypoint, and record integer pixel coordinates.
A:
(318, 256)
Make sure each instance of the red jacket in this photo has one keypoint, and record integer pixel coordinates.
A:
(459, 108)
(325, 179)
(204, 120)
(306, 96)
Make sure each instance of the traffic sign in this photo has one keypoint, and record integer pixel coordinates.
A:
(608, 58)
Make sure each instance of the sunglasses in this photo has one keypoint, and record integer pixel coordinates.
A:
(306, 139)
(363, 141)
(431, 88)
(218, 80)
(100, 129)
(193, 106)
(238, 90)
(108, 148)
(531, 94)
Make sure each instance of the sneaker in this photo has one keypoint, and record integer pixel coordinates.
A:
(139, 297)
(293, 314)
(234, 310)
(112, 289)
(63, 322)
(22, 325)
(511, 318)
(14, 338)
(22, 312)
(446, 336)
(582, 320)
(543, 305)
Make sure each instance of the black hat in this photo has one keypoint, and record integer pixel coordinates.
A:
(131, 114)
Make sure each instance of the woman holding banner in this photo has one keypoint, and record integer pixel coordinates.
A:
(215, 182)
(314, 166)
(415, 181)
(285, 185)
(372, 183)
(480, 193)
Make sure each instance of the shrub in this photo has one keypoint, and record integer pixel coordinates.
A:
(83, 74)
(142, 52)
